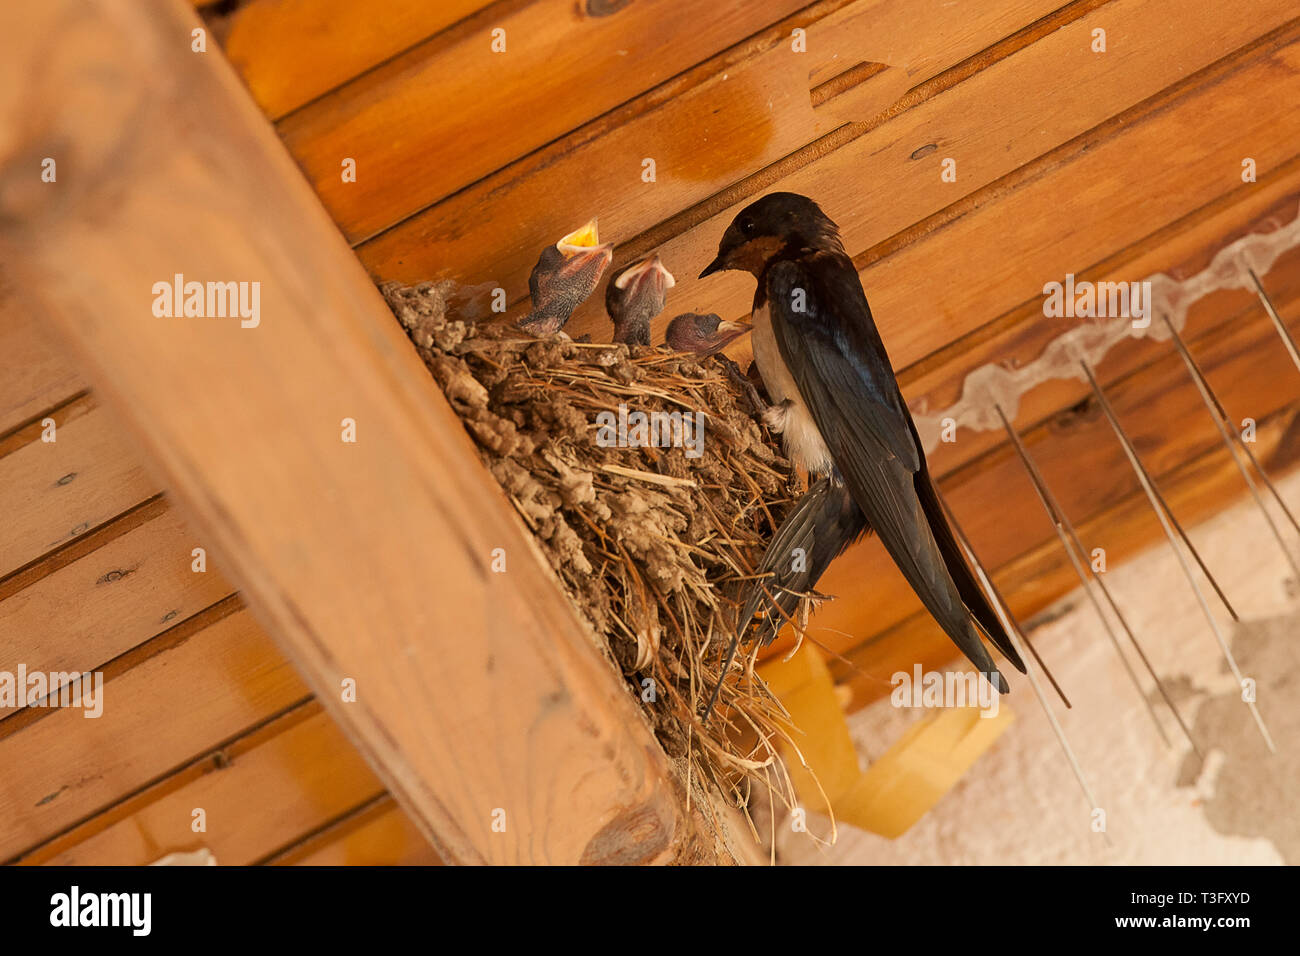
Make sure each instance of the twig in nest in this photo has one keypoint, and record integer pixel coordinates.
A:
(651, 546)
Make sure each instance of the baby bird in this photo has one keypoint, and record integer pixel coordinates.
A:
(636, 297)
(702, 334)
(565, 274)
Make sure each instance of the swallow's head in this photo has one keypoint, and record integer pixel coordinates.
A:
(702, 334)
(635, 297)
(768, 225)
(566, 273)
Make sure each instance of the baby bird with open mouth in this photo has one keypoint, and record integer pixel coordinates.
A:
(636, 297)
(565, 275)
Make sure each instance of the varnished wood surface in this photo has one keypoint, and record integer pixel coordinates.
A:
(1111, 166)
(290, 52)
(223, 679)
(369, 562)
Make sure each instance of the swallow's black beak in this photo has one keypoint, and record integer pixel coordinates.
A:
(717, 265)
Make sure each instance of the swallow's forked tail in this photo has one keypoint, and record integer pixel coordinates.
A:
(972, 595)
(823, 523)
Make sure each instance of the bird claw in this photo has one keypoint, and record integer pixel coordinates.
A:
(758, 408)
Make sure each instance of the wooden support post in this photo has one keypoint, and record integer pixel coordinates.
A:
(481, 698)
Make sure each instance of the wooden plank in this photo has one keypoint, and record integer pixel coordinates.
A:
(1163, 413)
(368, 561)
(161, 711)
(83, 545)
(743, 112)
(1197, 490)
(116, 597)
(1077, 226)
(450, 111)
(36, 377)
(291, 51)
(272, 788)
(380, 834)
(1047, 222)
(1180, 250)
(53, 492)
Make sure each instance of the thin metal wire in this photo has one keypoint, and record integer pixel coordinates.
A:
(1187, 540)
(1105, 590)
(1277, 319)
(997, 596)
(1182, 533)
(1014, 634)
(1054, 515)
(1223, 423)
(1156, 505)
(1241, 443)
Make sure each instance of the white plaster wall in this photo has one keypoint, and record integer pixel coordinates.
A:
(1019, 804)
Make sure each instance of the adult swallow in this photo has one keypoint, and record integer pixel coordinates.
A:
(635, 297)
(841, 416)
(702, 334)
(566, 273)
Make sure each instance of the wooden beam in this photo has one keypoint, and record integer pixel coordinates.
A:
(1022, 156)
(481, 697)
(52, 492)
(379, 834)
(746, 112)
(81, 616)
(431, 121)
(1180, 249)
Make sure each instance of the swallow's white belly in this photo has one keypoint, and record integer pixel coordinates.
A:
(789, 416)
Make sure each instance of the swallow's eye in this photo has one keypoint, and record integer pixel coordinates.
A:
(747, 226)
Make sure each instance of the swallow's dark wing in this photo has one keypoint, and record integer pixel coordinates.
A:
(819, 308)
(971, 593)
(826, 336)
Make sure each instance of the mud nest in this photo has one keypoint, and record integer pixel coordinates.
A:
(652, 544)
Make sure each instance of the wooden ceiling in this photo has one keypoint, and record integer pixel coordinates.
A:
(96, 573)
(1112, 165)
(1115, 165)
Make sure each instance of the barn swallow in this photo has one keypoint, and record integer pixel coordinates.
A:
(841, 416)
(566, 273)
(702, 334)
(636, 297)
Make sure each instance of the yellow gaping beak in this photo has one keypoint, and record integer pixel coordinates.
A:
(580, 240)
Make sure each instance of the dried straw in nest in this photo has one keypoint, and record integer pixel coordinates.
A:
(652, 546)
